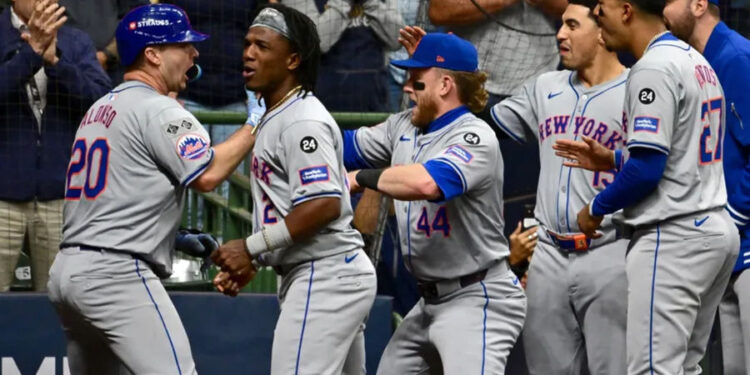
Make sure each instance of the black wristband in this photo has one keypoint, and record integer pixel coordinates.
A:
(369, 178)
(519, 269)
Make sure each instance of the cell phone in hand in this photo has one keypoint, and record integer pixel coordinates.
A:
(529, 221)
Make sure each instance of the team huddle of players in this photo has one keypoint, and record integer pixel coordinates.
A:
(632, 162)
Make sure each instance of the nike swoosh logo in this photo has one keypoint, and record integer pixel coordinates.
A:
(347, 259)
(404, 139)
(551, 95)
(515, 280)
(701, 221)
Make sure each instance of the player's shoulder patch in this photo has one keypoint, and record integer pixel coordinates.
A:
(472, 138)
(460, 152)
(308, 144)
(318, 173)
(192, 146)
(646, 124)
(646, 96)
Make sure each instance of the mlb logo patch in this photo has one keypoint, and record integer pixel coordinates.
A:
(192, 146)
(460, 152)
(314, 174)
(646, 124)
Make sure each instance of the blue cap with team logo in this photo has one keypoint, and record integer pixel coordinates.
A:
(440, 50)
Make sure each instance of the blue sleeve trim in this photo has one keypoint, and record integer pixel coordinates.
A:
(639, 177)
(618, 160)
(458, 170)
(198, 171)
(353, 158)
(447, 177)
(638, 144)
(505, 128)
(308, 197)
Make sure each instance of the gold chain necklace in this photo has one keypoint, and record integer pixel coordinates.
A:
(287, 96)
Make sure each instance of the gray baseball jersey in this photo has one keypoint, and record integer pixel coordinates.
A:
(684, 244)
(565, 285)
(135, 153)
(328, 284)
(297, 157)
(463, 233)
(675, 105)
(556, 105)
(458, 235)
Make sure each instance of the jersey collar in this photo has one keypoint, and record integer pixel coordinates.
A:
(665, 36)
(446, 118)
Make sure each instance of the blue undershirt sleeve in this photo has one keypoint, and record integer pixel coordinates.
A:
(639, 176)
(352, 159)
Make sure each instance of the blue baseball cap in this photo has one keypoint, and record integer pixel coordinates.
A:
(440, 50)
(714, 2)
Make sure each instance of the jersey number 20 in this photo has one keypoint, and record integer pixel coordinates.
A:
(709, 108)
(82, 160)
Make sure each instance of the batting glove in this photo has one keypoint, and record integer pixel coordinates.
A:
(195, 243)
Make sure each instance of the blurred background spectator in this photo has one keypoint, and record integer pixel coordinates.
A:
(98, 19)
(736, 13)
(48, 82)
(414, 13)
(355, 36)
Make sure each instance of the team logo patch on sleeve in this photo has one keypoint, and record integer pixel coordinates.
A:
(646, 124)
(172, 129)
(192, 146)
(460, 152)
(314, 174)
(187, 124)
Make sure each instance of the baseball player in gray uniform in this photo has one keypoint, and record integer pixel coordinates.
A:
(136, 152)
(683, 243)
(302, 211)
(577, 287)
(443, 167)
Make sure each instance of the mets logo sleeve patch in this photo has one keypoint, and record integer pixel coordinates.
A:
(179, 144)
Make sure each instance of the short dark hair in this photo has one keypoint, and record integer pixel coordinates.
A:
(653, 7)
(304, 40)
(591, 4)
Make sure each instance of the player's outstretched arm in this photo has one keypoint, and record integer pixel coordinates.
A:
(404, 182)
(227, 156)
(587, 154)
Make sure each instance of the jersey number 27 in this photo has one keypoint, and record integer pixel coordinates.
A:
(710, 114)
(84, 159)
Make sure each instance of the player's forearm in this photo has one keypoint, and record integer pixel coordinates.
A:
(310, 217)
(408, 183)
(227, 156)
(456, 12)
(639, 177)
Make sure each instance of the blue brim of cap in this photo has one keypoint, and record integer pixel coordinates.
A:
(191, 36)
(409, 63)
